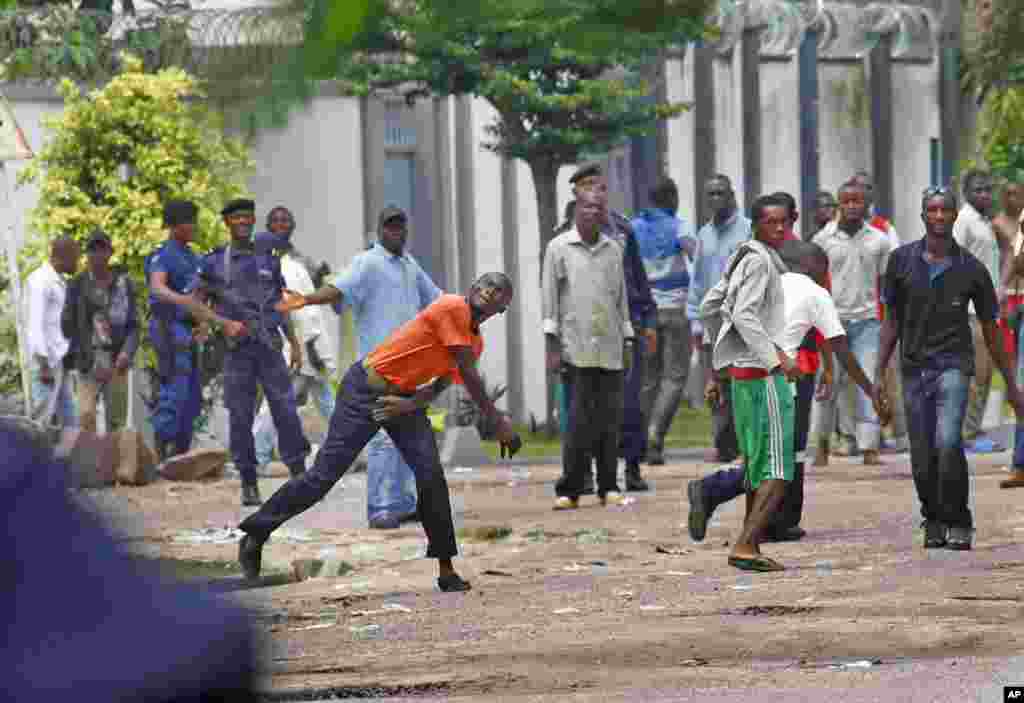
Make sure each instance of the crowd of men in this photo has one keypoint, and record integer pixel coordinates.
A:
(768, 311)
(624, 304)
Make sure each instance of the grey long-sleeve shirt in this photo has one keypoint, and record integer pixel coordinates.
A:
(743, 313)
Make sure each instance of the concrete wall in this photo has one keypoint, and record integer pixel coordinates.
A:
(487, 204)
(29, 113)
(915, 93)
(314, 167)
(780, 128)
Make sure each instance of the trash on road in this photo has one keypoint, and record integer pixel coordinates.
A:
(859, 664)
(694, 662)
(679, 573)
(209, 535)
(318, 626)
(675, 551)
(494, 572)
(365, 631)
(566, 611)
(652, 607)
(593, 536)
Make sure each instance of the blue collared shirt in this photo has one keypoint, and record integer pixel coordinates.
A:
(384, 291)
(181, 265)
(714, 247)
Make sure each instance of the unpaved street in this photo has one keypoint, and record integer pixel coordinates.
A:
(618, 604)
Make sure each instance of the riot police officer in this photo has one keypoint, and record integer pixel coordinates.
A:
(170, 269)
(244, 285)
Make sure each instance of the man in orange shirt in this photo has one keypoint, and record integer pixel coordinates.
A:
(391, 389)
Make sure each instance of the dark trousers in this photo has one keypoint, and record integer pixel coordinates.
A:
(595, 421)
(250, 366)
(179, 398)
(633, 443)
(722, 423)
(722, 486)
(936, 402)
(352, 426)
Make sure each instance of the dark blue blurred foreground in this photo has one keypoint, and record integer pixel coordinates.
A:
(85, 622)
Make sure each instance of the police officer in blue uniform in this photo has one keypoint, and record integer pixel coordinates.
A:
(170, 269)
(244, 284)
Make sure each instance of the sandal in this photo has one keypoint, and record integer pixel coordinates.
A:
(757, 563)
(453, 584)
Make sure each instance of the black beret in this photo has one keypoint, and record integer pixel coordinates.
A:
(98, 236)
(391, 212)
(586, 171)
(179, 212)
(239, 205)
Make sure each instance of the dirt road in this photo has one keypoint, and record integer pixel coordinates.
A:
(619, 604)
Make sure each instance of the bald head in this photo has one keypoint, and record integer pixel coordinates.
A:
(64, 255)
(806, 258)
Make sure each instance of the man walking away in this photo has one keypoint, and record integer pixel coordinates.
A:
(389, 389)
(717, 241)
(589, 338)
(47, 347)
(927, 290)
(857, 256)
(101, 321)
(743, 315)
(974, 232)
(666, 242)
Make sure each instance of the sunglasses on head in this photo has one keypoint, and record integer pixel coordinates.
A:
(932, 191)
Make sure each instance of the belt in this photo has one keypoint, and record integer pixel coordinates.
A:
(743, 373)
(380, 384)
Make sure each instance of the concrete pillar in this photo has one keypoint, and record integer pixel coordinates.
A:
(807, 67)
(950, 94)
(704, 162)
(748, 53)
(880, 95)
(515, 367)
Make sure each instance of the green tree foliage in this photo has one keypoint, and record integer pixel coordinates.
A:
(116, 154)
(561, 74)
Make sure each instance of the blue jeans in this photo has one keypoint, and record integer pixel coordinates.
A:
(352, 427)
(390, 483)
(64, 411)
(266, 432)
(253, 364)
(936, 403)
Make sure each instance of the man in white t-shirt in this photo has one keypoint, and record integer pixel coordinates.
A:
(807, 305)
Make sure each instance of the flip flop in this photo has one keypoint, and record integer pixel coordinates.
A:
(758, 563)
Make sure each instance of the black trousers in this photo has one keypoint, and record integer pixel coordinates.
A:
(722, 423)
(352, 426)
(792, 507)
(595, 424)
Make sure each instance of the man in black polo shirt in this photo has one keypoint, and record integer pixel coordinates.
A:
(927, 288)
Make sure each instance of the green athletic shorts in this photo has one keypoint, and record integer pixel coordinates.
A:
(763, 410)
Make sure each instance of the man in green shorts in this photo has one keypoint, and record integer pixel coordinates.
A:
(744, 314)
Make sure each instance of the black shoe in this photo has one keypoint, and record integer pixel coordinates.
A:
(251, 495)
(655, 455)
(700, 510)
(789, 534)
(934, 534)
(959, 539)
(297, 469)
(250, 556)
(453, 584)
(634, 481)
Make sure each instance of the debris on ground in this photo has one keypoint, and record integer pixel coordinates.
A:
(486, 533)
(859, 664)
(597, 535)
(675, 551)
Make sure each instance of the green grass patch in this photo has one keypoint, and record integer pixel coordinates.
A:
(690, 428)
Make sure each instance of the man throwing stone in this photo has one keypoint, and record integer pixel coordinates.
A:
(388, 389)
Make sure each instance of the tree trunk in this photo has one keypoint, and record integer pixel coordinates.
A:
(545, 184)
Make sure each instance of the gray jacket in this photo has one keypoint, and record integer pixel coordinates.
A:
(743, 313)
